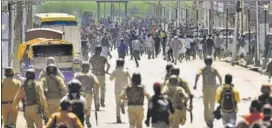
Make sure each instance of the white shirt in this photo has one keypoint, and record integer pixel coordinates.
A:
(149, 42)
(188, 43)
(136, 45)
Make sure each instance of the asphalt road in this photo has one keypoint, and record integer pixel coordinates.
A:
(247, 82)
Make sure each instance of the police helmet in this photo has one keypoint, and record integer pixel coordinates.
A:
(136, 79)
(30, 73)
(168, 67)
(266, 88)
(173, 80)
(175, 70)
(74, 85)
(208, 60)
(85, 65)
(120, 62)
(51, 69)
(98, 48)
(9, 72)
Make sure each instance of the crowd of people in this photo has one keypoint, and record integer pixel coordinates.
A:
(48, 102)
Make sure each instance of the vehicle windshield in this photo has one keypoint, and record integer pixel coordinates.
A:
(52, 50)
(59, 23)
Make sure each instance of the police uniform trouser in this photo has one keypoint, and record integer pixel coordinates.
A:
(176, 118)
(9, 115)
(209, 102)
(135, 116)
(118, 102)
(53, 106)
(101, 80)
(160, 125)
(33, 117)
(89, 98)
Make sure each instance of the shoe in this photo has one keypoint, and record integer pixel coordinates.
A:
(87, 121)
(97, 106)
(122, 106)
(102, 102)
(118, 119)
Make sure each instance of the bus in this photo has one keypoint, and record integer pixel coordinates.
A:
(63, 22)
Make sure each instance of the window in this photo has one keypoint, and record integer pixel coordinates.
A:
(52, 50)
(59, 23)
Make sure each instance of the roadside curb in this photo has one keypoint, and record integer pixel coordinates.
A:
(249, 67)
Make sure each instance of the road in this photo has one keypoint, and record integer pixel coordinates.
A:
(247, 82)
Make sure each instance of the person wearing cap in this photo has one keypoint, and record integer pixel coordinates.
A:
(89, 82)
(50, 60)
(10, 87)
(34, 101)
(209, 88)
(122, 79)
(178, 97)
(54, 88)
(159, 108)
(135, 94)
(122, 49)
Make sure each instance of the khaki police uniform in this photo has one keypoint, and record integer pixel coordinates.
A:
(50, 60)
(185, 86)
(172, 92)
(135, 96)
(98, 68)
(54, 89)
(64, 117)
(122, 79)
(10, 86)
(89, 82)
(209, 88)
(32, 105)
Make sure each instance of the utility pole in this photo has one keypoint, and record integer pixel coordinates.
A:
(11, 33)
(234, 48)
(257, 59)
(178, 11)
(227, 27)
(29, 16)
(24, 20)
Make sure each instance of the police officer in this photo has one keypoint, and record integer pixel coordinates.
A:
(122, 79)
(10, 86)
(168, 72)
(178, 98)
(98, 63)
(50, 60)
(88, 81)
(209, 75)
(184, 84)
(78, 102)
(158, 109)
(33, 100)
(54, 88)
(135, 96)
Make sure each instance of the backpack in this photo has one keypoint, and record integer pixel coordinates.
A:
(178, 100)
(161, 104)
(78, 109)
(227, 101)
(135, 95)
(31, 96)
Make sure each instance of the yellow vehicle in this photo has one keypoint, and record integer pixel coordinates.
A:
(34, 52)
(64, 22)
(54, 19)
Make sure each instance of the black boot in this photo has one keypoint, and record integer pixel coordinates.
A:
(97, 106)
(87, 121)
(118, 119)
(102, 101)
